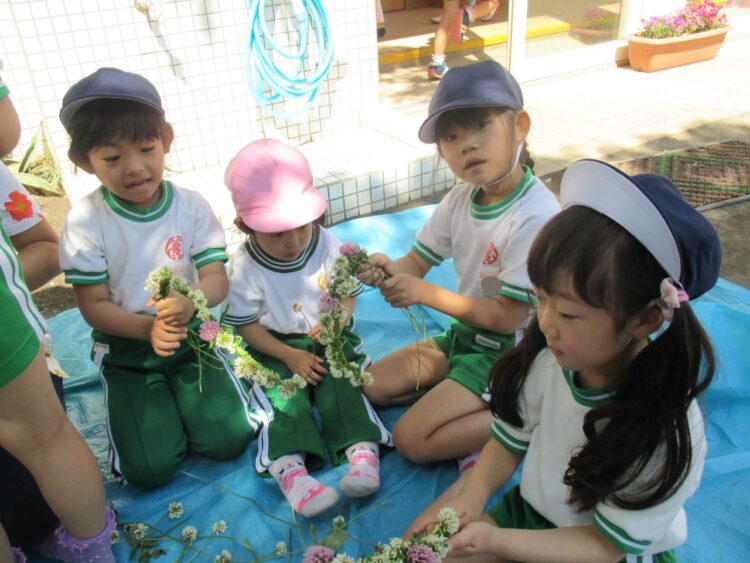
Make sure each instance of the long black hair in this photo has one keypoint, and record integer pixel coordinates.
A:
(610, 269)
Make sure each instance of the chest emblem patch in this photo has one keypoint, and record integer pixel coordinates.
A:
(173, 248)
(490, 255)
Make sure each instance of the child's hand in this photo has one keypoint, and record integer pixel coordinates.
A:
(166, 338)
(462, 506)
(314, 333)
(306, 364)
(175, 309)
(371, 272)
(402, 290)
(474, 539)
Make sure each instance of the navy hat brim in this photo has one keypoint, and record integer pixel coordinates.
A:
(428, 129)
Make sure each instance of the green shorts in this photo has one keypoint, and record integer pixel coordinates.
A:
(514, 512)
(20, 342)
(471, 353)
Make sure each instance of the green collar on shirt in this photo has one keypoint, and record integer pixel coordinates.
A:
(589, 397)
(142, 215)
(494, 210)
(283, 266)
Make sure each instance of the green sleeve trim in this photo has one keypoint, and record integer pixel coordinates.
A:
(618, 536)
(210, 255)
(239, 321)
(515, 292)
(510, 443)
(357, 290)
(3, 91)
(424, 252)
(76, 277)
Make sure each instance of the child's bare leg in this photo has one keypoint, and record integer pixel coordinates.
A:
(448, 422)
(35, 430)
(405, 375)
(444, 27)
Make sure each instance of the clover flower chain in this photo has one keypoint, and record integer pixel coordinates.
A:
(175, 510)
(214, 334)
(223, 557)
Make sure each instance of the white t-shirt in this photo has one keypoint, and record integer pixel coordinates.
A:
(265, 289)
(19, 212)
(552, 409)
(106, 240)
(489, 243)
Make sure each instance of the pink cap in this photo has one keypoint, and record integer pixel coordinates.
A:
(272, 187)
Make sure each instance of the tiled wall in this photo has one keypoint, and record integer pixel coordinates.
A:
(195, 52)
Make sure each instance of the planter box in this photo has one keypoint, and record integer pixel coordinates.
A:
(649, 55)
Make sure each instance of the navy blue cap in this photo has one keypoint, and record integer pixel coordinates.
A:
(654, 211)
(111, 83)
(482, 84)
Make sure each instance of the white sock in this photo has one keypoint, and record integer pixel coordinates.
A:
(363, 477)
(467, 461)
(304, 493)
(437, 60)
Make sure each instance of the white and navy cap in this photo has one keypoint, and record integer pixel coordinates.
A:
(654, 211)
(482, 84)
(108, 83)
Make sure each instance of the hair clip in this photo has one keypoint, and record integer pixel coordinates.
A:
(671, 295)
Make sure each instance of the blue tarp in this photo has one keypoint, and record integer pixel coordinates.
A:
(257, 515)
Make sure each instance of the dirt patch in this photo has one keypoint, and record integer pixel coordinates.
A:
(55, 296)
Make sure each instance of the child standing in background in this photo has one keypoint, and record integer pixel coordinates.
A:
(48, 471)
(278, 278)
(112, 240)
(487, 224)
(604, 413)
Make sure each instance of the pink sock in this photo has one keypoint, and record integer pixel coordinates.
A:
(467, 461)
(303, 492)
(363, 477)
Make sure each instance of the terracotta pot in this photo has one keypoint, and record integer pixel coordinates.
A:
(649, 55)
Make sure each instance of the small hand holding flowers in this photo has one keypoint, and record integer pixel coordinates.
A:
(176, 303)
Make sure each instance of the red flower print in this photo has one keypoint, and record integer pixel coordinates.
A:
(19, 207)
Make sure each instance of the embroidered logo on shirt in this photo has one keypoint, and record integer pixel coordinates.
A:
(173, 248)
(490, 255)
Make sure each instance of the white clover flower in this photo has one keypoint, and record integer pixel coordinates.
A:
(158, 280)
(180, 285)
(342, 558)
(189, 534)
(175, 510)
(205, 314)
(339, 522)
(198, 298)
(219, 527)
(114, 537)
(367, 378)
(223, 557)
(139, 530)
(281, 550)
(438, 544)
(225, 341)
(448, 520)
(297, 306)
(398, 543)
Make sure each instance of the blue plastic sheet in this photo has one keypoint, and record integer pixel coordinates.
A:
(257, 514)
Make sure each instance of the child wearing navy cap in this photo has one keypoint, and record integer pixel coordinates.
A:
(159, 405)
(604, 414)
(486, 224)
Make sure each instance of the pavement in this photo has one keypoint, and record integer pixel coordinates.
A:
(618, 114)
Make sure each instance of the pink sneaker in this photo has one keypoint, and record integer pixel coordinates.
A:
(492, 13)
(60, 545)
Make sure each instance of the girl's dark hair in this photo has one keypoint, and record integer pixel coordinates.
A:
(467, 117)
(102, 121)
(242, 226)
(610, 269)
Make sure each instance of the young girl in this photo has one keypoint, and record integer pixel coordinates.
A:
(604, 413)
(278, 278)
(476, 117)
